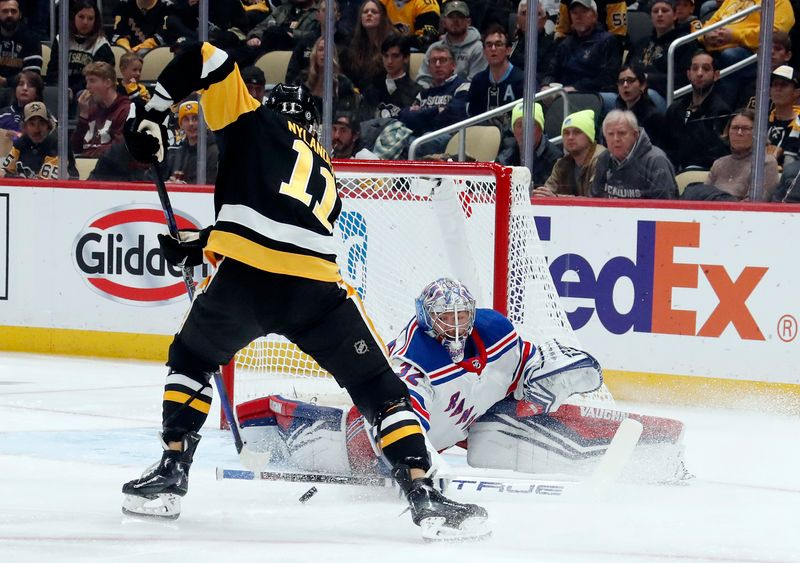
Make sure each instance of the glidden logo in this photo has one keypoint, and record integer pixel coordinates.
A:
(654, 274)
(118, 254)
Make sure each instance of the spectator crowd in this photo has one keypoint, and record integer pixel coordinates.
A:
(622, 139)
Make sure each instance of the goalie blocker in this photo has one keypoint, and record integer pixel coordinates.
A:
(511, 435)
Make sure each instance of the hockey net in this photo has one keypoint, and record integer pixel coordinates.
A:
(404, 224)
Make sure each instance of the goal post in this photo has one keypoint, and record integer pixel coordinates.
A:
(404, 224)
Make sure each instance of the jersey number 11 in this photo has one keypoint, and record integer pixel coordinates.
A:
(297, 186)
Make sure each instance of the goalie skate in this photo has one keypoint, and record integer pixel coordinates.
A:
(166, 506)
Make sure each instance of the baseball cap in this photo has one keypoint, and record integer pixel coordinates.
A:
(455, 6)
(784, 71)
(187, 108)
(591, 4)
(35, 109)
(253, 75)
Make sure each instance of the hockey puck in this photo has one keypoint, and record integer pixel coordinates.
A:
(308, 494)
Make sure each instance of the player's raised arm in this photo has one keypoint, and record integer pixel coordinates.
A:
(198, 67)
(202, 67)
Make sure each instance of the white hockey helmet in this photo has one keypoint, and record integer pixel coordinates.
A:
(440, 313)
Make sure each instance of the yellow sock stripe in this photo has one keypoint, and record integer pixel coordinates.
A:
(178, 397)
(399, 434)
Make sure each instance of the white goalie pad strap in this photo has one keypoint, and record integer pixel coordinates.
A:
(557, 372)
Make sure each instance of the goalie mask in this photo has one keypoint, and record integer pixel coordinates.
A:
(296, 103)
(446, 312)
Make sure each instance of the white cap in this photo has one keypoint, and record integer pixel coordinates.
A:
(786, 72)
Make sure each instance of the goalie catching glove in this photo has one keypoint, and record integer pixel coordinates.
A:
(188, 251)
(557, 372)
(145, 133)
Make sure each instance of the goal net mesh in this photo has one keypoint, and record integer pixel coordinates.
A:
(403, 225)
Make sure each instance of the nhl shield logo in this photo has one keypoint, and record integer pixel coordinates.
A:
(361, 347)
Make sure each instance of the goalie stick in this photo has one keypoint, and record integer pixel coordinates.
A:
(468, 483)
(461, 483)
(250, 459)
(607, 472)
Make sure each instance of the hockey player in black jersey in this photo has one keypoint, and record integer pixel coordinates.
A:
(272, 242)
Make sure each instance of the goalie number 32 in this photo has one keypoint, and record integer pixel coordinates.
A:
(297, 186)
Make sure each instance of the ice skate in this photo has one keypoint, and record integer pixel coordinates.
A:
(157, 492)
(440, 518)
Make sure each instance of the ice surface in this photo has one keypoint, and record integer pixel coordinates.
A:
(73, 430)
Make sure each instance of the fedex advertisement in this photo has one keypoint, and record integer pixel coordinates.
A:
(682, 291)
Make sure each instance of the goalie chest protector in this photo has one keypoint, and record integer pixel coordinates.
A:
(448, 397)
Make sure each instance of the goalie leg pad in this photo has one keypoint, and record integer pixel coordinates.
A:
(360, 449)
(306, 436)
(571, 441)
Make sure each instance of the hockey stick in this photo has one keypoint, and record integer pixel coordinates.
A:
(607, 472)
(172, 225)
(250, 459)
(466, 483)
(615, 458)
(297, 477)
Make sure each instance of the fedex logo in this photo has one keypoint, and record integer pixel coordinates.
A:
(654, 274)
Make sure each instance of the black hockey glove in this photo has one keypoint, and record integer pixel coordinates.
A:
(185, 252)
(145, 134)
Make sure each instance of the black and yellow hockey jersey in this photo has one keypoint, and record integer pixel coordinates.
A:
(140, 28)
(31, 160)
(418, 18)
(611, 14)
(275, 197)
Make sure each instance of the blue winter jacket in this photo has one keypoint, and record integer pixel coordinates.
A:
(439, 106)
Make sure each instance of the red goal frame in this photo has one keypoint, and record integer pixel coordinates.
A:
(466, 170)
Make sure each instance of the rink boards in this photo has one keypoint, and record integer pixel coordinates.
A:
(673, 298)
